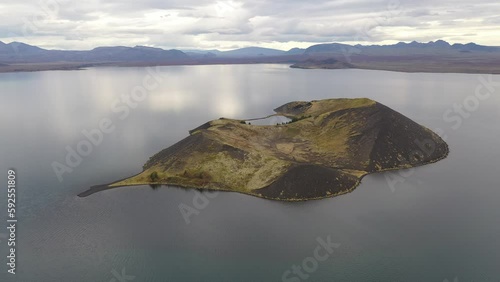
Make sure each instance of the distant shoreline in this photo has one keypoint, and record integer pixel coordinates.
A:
(398, 66)
(431, 57)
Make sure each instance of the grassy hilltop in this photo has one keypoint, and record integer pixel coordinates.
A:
(325, 151)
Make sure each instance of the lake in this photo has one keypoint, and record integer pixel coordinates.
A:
(433, 223)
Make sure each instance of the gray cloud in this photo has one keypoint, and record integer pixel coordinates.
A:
(223, 24)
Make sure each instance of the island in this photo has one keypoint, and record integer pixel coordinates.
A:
(324, 150)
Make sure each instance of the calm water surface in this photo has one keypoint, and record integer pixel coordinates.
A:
(437, 222)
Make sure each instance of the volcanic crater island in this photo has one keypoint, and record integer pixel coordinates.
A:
(324, 150)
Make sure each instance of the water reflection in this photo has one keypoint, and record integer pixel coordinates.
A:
(418, 232)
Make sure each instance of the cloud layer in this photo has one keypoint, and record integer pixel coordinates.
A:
(227, 24)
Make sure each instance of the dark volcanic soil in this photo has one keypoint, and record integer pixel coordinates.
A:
(310, 182)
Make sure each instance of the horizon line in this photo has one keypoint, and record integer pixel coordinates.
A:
(252, 46)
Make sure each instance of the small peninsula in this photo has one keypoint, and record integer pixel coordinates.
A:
(322, 64)
(323, 151)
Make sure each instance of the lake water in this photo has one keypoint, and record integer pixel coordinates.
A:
(432, 223)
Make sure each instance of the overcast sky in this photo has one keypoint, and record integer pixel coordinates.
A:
(203, 24)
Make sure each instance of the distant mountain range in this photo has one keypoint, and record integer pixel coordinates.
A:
(439, 47)
(17, 52)
(16, 56)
